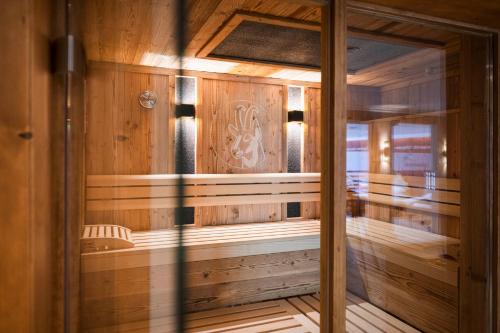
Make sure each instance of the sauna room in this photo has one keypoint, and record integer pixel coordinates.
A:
(239, 116)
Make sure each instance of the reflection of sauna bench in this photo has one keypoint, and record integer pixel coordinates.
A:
(426, 194)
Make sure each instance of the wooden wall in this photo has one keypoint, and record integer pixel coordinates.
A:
(125, 138)
(27, 267)
(312, 144)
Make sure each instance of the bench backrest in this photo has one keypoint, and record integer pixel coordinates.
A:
(429, 193)
(123, 192)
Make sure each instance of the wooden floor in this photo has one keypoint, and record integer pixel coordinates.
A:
(295, 314)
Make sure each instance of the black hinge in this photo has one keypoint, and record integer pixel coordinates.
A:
(68, 56)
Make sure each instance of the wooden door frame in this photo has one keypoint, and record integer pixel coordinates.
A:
(333, 121)
(333, 164)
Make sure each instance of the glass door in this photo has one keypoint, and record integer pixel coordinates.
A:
(416, 141)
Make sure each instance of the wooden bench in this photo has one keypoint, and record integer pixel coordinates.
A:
(428, 194)
(235, 264)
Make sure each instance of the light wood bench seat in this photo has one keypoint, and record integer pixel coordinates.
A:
(158, 247)
(398, 244)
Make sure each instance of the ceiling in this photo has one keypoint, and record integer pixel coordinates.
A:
(143, 32)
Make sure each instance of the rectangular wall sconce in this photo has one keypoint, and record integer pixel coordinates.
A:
(296, 116)
(185, 110)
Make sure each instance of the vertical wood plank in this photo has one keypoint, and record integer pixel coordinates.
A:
(124, 138)
(496, 186)
(476, 203)
(333, 137)
(312, 144)
(26, 199)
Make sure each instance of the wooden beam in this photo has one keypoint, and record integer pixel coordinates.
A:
(476, 191)
(393, 38)
(496, 184)
(221, 13)
(333, 143)
(311, 3)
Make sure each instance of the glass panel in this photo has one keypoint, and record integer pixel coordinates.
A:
(223, 125)
(406, 100)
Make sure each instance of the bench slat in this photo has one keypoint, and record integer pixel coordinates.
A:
(129, 192)
(124, 204)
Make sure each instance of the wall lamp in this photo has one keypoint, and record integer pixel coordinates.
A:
(185, 110)
(296, 116)
(386, 150)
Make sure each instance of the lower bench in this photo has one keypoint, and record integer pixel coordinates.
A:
(409, 272)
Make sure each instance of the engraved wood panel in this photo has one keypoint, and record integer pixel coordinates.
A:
(239, 131)
(125, 138)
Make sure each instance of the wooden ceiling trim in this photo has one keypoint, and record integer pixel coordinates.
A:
(221, 13)
(392, 38)
(302, 10)
(480, 15)
(241, 16)
(216, 39)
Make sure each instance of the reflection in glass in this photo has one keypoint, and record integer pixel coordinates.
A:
(403, 145)
(412, 148)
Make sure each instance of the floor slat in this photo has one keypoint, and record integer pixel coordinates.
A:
(298, 314)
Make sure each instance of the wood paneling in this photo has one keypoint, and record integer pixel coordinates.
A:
(312, 144)
(125, 138)
(27, 279)
(217, 113)
(476, 223)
